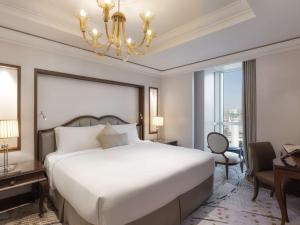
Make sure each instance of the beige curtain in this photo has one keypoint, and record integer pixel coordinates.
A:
(249, 108)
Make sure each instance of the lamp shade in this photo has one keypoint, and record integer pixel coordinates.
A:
(9, 129)
(158, 121)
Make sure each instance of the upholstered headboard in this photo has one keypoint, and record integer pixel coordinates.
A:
(46, 138)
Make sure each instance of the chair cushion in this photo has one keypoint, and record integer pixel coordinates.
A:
(266, 177)
(233, 158)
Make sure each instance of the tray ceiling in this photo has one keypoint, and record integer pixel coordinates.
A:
(188, 31)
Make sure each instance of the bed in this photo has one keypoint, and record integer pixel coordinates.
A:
(143, 183)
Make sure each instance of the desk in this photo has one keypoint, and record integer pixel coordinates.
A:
(282, 172)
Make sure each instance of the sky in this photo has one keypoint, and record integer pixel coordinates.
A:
(233, 89)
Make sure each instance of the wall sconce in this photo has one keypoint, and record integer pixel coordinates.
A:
(42, 114)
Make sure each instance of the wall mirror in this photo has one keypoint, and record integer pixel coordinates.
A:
(153, 108)
(10, 100)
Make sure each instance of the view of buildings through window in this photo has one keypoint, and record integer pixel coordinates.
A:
(232, 107)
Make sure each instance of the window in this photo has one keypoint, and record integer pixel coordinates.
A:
(223, 103)
(232, 107)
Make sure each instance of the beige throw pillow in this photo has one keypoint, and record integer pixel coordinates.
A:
(109, 137)
(113, 140)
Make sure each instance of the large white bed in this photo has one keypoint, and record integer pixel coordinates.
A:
(140, 183)
(122, 184)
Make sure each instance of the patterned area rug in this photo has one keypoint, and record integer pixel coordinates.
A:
(230, 204)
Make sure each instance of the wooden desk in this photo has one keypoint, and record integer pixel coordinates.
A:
(281, 173)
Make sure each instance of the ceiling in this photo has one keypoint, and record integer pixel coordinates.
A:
(188, 31)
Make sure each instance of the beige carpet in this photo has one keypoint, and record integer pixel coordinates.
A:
(230, 204)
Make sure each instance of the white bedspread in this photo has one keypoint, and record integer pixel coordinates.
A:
(119, 185)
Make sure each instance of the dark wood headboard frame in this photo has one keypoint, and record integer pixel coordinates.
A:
(41, 72)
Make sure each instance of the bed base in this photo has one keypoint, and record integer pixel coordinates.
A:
(171, 214)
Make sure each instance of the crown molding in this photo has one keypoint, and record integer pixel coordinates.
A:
(12, 36)
(26, 40)
(23, 13)
(225, 17)
(256, 52)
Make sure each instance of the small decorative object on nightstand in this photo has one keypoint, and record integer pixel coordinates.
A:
(8, 129)
(28, 173)
(157, 121)
(167, 142)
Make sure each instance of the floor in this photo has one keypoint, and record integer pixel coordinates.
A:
(230, 204)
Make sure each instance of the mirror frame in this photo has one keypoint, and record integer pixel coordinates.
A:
(150, 116)
(18, 68)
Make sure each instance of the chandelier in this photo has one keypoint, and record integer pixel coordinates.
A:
(116, 38)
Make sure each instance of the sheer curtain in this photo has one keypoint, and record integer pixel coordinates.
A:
(249, 108)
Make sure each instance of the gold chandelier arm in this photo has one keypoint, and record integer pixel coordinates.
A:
(105, 51)
(131, 48)
(106, 31)
(89, 40)
(142, 42)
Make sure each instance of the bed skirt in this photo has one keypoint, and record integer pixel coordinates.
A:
(172, 213)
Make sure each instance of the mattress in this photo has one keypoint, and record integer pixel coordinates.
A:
(122, 184)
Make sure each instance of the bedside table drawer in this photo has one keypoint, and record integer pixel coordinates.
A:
(22, 180)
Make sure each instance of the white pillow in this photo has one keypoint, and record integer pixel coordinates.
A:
(71, 139)
(130, 129)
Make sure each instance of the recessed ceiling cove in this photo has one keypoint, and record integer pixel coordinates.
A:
(187, 31)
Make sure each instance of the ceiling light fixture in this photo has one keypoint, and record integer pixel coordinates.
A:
(117, 38)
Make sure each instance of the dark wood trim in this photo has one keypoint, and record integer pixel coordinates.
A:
(142, 110)
(84, 78)
(18, 68)
(152, 132)
(41, 72)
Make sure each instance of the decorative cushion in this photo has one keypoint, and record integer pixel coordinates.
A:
(108, 130)
(233, 157)
(109, 137)
(113, 140)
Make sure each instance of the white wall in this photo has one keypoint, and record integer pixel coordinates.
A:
(177, 102)
(278, 98)
(29, 58)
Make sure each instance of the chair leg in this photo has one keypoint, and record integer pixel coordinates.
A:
(256, 188)
(226, 171)
(242, 166)
(272, 193)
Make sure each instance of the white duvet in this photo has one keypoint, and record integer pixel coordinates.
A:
(119, 185)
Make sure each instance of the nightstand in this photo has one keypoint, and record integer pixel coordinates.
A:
(26, 173)
(166, 141)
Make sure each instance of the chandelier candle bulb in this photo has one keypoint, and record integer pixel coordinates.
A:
(129, 41)
(95, 32)
(82, 20)
(148, 15)
(82, 13)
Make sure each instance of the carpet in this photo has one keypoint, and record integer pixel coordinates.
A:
(230, 204)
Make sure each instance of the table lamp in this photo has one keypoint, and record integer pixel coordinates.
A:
(157, 121)
(8, 129)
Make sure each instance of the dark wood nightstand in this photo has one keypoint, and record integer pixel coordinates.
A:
(26, 173)
(166, 141)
